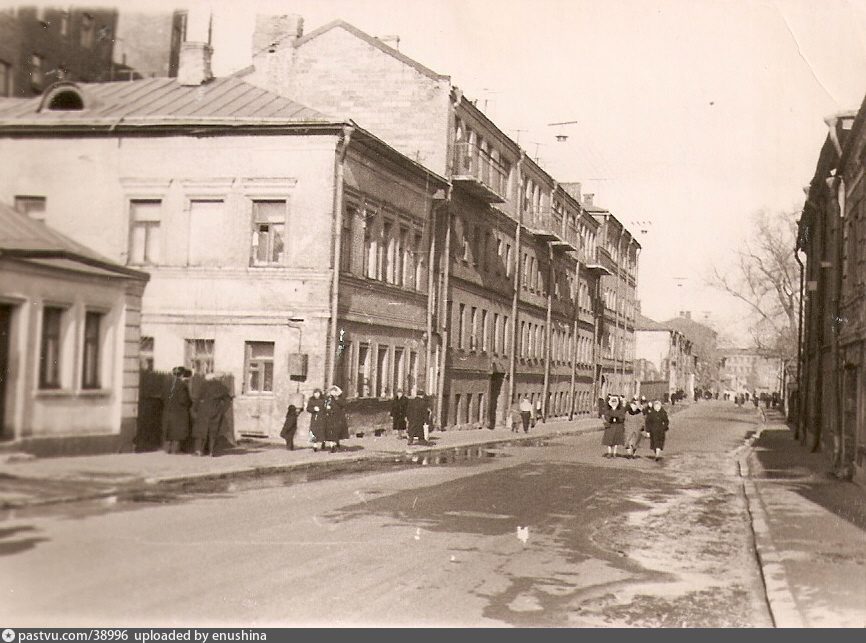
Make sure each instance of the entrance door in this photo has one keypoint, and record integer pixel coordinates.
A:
(494, 404)
(5, 332)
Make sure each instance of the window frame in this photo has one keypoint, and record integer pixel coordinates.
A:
(91, 350)
(258, 219)
(55, 382)
(261, 368)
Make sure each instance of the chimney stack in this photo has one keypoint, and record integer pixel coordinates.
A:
(274, 31)
(391, 40)
(194, 65)
(587, 198)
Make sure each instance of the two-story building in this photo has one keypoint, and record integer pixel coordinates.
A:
(664, 356)
(285, 247)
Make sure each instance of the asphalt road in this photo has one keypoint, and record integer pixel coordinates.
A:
(549, 534)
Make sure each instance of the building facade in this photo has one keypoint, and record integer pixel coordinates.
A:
(517, 269)
(285, 248)
(746, 370)
(69, 342)
(832, 236)
(664, 354)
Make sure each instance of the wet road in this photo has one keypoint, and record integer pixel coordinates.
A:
(544, 534)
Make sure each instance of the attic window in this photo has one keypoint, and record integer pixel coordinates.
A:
(67, 100)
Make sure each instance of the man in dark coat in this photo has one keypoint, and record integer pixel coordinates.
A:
(175, 414)
(336, 423)
(398, 412)
(657, 423)
(417, 415)
(212, 421)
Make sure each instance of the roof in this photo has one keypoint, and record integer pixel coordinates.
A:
(372, 40)
(645, 323)
(154, 101)
(25, 238)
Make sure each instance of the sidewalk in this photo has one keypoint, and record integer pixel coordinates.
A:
(810, 532)
(27, 481)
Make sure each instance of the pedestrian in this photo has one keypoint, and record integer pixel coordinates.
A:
(601, 405)
(398, 413)
(212, 411)
(525, 413)
(418, 417)
(657, 424)
(635, 428)
(755, 400)
(176, 411)
(614, 426)
(539, 414)
(515, 418)
(290, 425)
(315, 407)
(336, 425)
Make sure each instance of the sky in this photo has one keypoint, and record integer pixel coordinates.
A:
(691, 114)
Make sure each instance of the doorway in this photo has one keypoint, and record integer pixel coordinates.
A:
(495, 405)
(5, 333)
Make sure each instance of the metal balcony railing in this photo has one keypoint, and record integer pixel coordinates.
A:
(471, 162)
(551, 227)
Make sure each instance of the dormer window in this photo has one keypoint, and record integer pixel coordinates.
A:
(63, 97)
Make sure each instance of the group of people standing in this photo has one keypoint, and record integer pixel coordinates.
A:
(328, 422)
(203, 418)
(411, 417)
(654, 425)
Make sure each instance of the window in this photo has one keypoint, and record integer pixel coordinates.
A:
(5, 79)
(144, 232)
(198, 356)
(205, 217)
(370, 249)
(496, 333)
(508, 260)
(413, 370)
(403, 256)
(32, 206)
(398, 376)
(457, 401)
(90, 361)
(362, 379)
(64, 23)
(88, 31)
(383, 386)
(484, 335)
(388, 252)
(418, 249)
(461, 329)
(259, 367)
(269, 231)
(473, 330)
(49, 356)
(37, 77)
(145, 354)
(347, 241)
(506, 336)
(481, 409)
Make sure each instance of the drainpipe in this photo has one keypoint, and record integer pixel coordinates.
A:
(618, 344)
(838, 367)
(547, 333)
(444, 319)
(339, 163)
(575, 313)
(512, 357)
(800, 386)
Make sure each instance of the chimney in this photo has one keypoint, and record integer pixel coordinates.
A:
(392, 40)
(194, 66)
(587, 198)
(276, 31)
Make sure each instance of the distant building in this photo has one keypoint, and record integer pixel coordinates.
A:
(69, 341)
(665, 360)
(747, 370)
(42, 45)
(704, 349)
(148, 44)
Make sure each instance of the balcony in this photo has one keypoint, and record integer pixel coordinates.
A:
(551, 228)
(478, 173)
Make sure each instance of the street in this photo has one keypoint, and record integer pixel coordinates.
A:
(546, 533)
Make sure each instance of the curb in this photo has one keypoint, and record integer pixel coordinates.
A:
(281, 468)
(780, 601)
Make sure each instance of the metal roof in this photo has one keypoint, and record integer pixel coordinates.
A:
(25, 238)
(164, 100)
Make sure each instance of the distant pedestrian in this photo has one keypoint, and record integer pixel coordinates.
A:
(614, 426)
(657, 424)
(539, 414)
(418, 416)
(525, 413)
(176, 411)
(212, 421)
(635, 428)
(290, 425)
(515, 418)
(398, 413)
(316, 408)
(336, 423)
(601, 405)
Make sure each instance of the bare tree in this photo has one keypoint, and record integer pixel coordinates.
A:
(765, 276)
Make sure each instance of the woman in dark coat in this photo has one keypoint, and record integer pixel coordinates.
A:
(175, 414)
(290, 425)
(336, 424)
(614, 426)
(212, 416)
(316, 409)
(417, 415)
(398, 412)
(657, 423)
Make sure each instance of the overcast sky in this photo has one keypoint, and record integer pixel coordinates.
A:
(692, 114)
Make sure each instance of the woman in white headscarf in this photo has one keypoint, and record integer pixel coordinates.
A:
(336, 424)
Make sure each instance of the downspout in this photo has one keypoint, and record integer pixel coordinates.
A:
(339, 162)
(800, 386)
(618, 345)
(573, 356)
(838, 367)
(512, 356)
(444, 318)
(547, 333)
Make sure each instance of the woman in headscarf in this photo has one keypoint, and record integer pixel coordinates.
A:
(316, 407)
(614, 426)
(417, 415)
(657, 423)
(176, 411)
(212, 416)
(336, 424)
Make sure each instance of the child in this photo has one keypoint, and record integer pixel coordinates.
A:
(290, 426)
